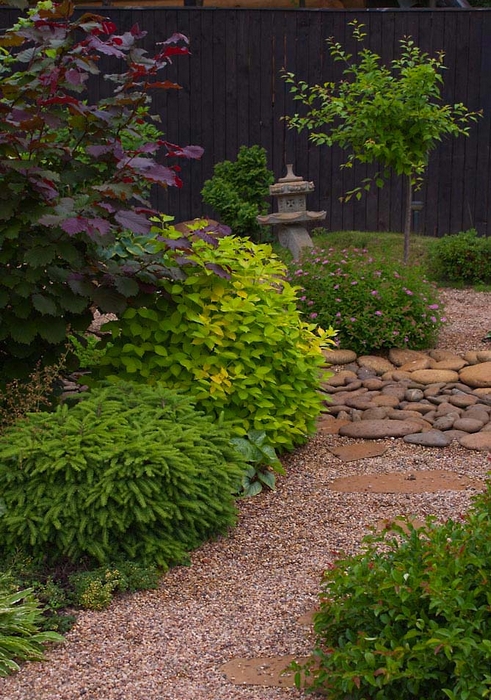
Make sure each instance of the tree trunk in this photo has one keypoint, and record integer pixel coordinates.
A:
(407, 217)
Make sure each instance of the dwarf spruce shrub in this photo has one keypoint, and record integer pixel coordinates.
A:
(235, 342)
(463, 258)
(410, 616)
(129, 472)
(373, 304)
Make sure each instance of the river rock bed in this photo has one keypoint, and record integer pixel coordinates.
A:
(427, 398)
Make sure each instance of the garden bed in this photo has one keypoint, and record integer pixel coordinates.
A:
(246, 595)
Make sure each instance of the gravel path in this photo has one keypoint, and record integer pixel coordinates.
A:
(243, 595)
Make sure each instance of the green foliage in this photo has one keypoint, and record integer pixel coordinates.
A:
(463, 258)
(262, 459)
(390, 115)
(94, 589)
(373, 304)
(410, 616)
(87, 348)
(74, 176)
(235, 342)
(237, 191)
(20, 623)
(127, 472)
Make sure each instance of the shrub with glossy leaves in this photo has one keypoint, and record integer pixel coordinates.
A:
(409, 617)
(235, 342)
(373, 304)
(131, 471)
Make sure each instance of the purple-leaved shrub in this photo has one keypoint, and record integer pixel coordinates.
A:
(373, 304)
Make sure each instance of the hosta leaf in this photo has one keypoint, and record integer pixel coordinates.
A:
(268, 478)
(253, 488)
(4, 298)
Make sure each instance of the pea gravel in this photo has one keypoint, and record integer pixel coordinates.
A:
(244, 595)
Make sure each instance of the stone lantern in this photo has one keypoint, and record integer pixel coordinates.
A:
(291, 193)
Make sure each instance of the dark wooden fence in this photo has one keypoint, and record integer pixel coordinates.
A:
(233, 94)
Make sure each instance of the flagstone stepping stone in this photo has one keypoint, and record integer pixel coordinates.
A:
(430, 438)
(262, 670)
(331, 426)
(477, 375)
(358, 450)
(402, 482)
(390, 524)
(378, 429)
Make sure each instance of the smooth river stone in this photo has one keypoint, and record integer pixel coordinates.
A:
(399, 356)
(469, 425)
(339, 357)
(430, 438)
(478, 376)
(433, 376)
(476, 441)
(377, 429)
(378, 364)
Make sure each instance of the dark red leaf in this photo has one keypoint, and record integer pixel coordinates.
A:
(74, 225)
(132, 221)
(218, 270)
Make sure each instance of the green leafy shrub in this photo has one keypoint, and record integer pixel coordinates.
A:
(410, 616)
(20, 624)
(236, 343)
(87, 348)
(373, 304)
(238, 190)
(127, 472)
(463, 258)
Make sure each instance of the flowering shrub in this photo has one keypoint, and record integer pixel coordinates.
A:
(373, 304)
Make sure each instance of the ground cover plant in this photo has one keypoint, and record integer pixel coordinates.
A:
(236, 343)
(130, 472)
(75, 176)
(389, 115)
(409, 617)
(373, 303)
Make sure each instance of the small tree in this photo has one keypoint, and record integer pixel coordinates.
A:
(393, 116)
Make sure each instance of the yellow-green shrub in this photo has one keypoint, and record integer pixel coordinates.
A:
(234, 340)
